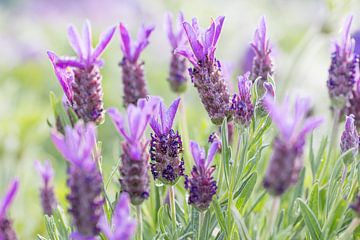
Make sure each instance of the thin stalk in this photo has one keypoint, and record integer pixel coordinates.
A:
(345, 169)
(349, 231)
(201, 222)
(173, 208)
(272, 217)
(184, 133)
(139, 222)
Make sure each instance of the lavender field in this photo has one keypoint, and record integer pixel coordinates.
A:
(170, 119)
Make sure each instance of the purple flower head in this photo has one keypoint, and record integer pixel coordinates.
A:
(45, 170)
(86, 54)
(47, 195)
(122, 225)
(242, 106)
(77, 144)
(6, 230)
(132, 49)
(137, 119)
(349, 138)
(176, 36)
(162, 123)
(262, 63)
(202, 42)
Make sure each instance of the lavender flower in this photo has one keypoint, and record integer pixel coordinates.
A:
(201, 184)
(259, 107)
(356, 37)
(122, 225)
(82, 85)
(262, 63)
(242, 107)
(353, 104)
(166, 146)
(6, 229)
(47, 195)
(132, 70)
(177, 38)
(206, 73)
(343, 68)
(286, 163)
(134, 168)
(247, 60)
(349, 139)
(84, 179)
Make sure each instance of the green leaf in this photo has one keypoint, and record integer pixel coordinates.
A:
(219, 216)
(243, 232)
(310, 220)
(245, 190)
(335, 219)
(314, 199)
(226, 151)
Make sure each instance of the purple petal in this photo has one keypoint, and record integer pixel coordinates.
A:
(103, 42)
(75, 41)
(105, 228)
(125, 41)
(219, 24)
(142, 40)
(198, 50)
(211, 153)
(209, 37)
(118, 121)
(171, 112)
(163, 117)
(269, 89)
(308, 126)
(198, 154)
(155, 126)
(185, 52)
(122, 210)
(69, 62)
(87, 40)
(170, 31)
(8, 198)
(346, 32)
(46, 171)
(59, 142)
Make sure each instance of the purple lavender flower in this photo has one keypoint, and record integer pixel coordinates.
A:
(262, 63)
(122, 225)
(247, 60)
(134, 168)
(286, 163)
(349, 139)
(353, 104)
(84, 179)
(206, 73)
(47, 195)
(259, 107)
(132, 70)
(356, 37)
(242, 107)
(343, 68)
(82, 86)
(166, 146)
(6, 229)
(177, 38)
(201, 184)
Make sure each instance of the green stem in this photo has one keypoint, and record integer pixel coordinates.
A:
(139, 222)
(201, 222)
(173, 208)
(349, 231)
(272, 217)
(185, 134)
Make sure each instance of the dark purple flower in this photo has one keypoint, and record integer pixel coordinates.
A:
(84, 179)
(286, 163)
(122, 226)
(167, 164)
(177, 38)
(343, 68)
(242, 107)
(6, 229)
(262, 65)
(134, 168)
(201, 184)
(47, 195)
(80, 77)
(349, 139)
(132, 70)
(206, 73)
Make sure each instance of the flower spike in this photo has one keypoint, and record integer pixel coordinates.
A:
(6, 229)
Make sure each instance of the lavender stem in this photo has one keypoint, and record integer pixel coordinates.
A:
(173, 208)
(139, 222)
(349, 231)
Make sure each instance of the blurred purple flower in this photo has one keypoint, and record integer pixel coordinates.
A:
(47, 195)
(122, 226)
(84, 179)
(285, 163)
(242, 107)
(6, 229)
(201, 184)
(206, 73)
(166, 146)
(343, 68)
(134, 168)
(349, 139)
(247, 60)
(356, 37)
(269, 91)
(132, 71)
(262, 62)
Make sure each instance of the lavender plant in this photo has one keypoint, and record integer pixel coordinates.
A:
(6, 226)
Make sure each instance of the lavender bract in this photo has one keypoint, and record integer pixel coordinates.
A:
(206, 72)
(83, 85)
(122, 226)
(6, 229)
(262, 66)
(177, 38)
(166, 146)
(349, 139)
(84, 179)
(285, 162)
(134, 158)
(201, 184)
(132, 70)
(242, 107)
(343, 68)
(47, 195)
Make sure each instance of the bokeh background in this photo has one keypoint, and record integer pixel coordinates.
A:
(300, 30)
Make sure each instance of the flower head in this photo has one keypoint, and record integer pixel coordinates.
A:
(202, 42)
(349, 139)
(122, 226)
(86, 54)
(242, 106)
(6, 230)
(132, 49)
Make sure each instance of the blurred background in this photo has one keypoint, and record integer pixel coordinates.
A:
(301, 32)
